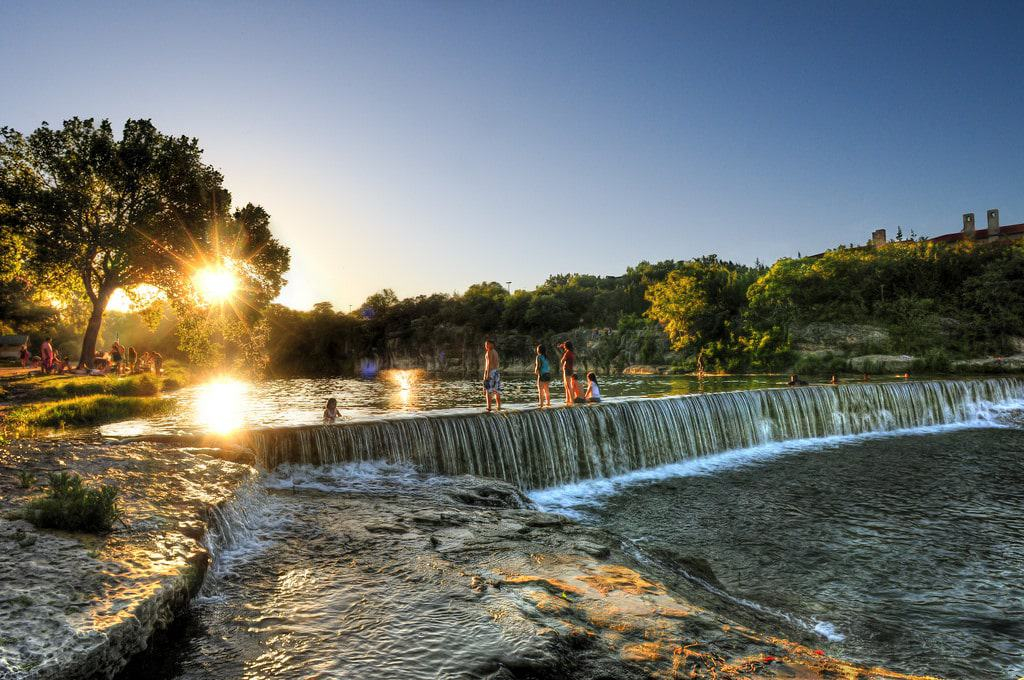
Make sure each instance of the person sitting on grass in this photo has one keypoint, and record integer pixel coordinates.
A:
(593, 395)
(116, 355)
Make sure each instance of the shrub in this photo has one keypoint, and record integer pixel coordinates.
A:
(26, 479)
(72, 505)
(935, 360)
(820, 364)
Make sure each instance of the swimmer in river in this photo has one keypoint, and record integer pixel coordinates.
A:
(331, 411)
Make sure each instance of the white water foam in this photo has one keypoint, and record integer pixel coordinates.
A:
(240, 530)
(358, 477)
(572, 500)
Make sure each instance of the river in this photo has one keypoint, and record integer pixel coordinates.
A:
(879, 522)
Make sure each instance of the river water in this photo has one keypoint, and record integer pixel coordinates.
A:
(890, 537)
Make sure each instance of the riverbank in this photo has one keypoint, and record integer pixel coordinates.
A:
(79, 605)
(31, 400)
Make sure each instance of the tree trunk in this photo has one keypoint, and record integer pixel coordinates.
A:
(92, 331)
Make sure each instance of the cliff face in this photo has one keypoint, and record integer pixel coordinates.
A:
(459, 350)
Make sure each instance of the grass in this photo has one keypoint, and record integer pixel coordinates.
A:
(86, 411)
(72, 505)
(52, 387)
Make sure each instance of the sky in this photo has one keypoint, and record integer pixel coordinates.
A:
(426, 146)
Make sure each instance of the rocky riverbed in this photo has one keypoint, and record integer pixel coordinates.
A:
(420, 577)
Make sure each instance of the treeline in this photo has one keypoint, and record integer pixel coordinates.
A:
(942, 301)
(604, 314)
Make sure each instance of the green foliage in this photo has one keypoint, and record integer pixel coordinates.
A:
(72, 505)
(100, 213)
(86, 411)
(26, 480)
(964, 297)
(701, 306)
(824, 365)
(935, 360)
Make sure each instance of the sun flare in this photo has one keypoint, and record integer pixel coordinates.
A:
(215, 284)
(221, 405)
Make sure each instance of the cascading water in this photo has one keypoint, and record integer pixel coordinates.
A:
(540, 448)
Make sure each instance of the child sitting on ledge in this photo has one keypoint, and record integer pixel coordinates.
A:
(593, 395)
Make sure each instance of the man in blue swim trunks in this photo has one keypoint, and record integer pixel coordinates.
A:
(492, 377)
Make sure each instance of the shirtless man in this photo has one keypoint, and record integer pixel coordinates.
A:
(492, 378)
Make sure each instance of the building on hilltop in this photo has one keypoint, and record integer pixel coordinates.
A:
(993, 233)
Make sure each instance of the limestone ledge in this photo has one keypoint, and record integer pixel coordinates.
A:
(79, 605)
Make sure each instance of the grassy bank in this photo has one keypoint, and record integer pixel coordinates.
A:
(85, 411)
(57, 401)
(52, 387)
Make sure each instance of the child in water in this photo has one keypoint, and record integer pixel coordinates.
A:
(331, 411)
(593, 395)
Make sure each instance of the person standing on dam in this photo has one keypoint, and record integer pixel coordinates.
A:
(492, 376)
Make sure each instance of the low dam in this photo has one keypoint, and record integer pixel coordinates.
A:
(537, 448)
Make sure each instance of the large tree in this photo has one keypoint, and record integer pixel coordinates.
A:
(104, 213)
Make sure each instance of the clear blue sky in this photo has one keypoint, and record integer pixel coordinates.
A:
(427, 146)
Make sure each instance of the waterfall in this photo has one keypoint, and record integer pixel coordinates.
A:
(536, 448)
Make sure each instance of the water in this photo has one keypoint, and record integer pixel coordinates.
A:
(906, 551)
(315, 577)
(880, 521)
(536, 448)
(226, 405)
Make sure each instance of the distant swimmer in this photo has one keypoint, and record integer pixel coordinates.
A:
(593, 395)
(834, 380)
(795, 381)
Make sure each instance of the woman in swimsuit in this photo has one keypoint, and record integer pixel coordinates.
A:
(568, 371)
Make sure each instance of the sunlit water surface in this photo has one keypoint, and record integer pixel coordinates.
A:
(904, 550)
(227, 404)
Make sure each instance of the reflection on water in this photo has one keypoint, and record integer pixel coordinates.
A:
(405, 380)
(228, 404)
(219, 406)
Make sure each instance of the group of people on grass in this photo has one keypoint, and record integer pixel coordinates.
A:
(541, 369)
(118, 360)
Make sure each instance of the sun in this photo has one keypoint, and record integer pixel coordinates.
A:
(215, 284)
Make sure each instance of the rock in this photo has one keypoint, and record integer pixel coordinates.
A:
(887, 363)
(644, 369)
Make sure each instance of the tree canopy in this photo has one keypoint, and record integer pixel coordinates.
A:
(101, 213)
